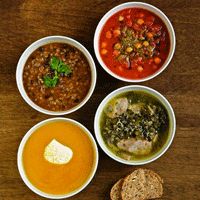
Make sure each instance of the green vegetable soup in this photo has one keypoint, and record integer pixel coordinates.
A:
(134, 125)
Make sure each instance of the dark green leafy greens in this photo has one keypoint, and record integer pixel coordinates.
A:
(144, 125)
(59, 67)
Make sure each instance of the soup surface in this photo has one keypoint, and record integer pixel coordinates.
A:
(54, 178)
(134, 43)
(134, 125)
(57, 76)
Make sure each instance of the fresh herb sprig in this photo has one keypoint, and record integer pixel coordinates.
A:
(59, 67)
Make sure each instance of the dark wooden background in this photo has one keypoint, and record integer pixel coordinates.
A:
(24, 21)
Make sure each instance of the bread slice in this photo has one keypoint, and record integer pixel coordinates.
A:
(142, 184)
(133, 187)
(154, 187)
(115, 193)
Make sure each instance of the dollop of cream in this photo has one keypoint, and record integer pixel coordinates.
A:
(57, 153)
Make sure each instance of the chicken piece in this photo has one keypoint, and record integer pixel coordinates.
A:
(136, 107)
(125, 156)
(117, 107)
(137, 147)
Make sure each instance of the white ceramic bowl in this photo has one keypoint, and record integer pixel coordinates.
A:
(20, 162)
(159, 97)
(36, 45)
(152, 9)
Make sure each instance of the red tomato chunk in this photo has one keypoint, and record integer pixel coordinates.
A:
(134, 43)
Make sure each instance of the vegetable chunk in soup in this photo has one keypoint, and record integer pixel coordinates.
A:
(134, 125)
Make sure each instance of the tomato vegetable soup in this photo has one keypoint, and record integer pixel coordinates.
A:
(48, 163)
(57, 76)
(134, 43)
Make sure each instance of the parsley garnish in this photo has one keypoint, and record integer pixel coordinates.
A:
(59, 67)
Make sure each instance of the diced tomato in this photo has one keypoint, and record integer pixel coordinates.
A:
(141, 15)
(128, 16)
(129, 23)
(116, 52)
(156, 27)
(136, 27)
(150, 61)
(148, 23)
(149, 20)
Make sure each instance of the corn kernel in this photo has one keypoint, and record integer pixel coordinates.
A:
(146, 43)
(129, 49)
(117, 46)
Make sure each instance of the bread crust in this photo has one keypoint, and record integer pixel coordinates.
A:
(115, 193)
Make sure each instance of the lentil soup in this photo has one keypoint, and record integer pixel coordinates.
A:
(57, 76)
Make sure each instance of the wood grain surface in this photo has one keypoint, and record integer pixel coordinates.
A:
(24, 21)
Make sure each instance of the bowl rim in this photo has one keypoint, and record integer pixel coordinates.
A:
(20, 162)
(155, 94)
(47, 40)
(126, 5)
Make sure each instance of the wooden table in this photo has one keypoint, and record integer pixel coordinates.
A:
(24, 21)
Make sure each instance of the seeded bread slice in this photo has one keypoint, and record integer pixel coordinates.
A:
(115, 193)
(153, 185)
(142, 184)
(133, 187)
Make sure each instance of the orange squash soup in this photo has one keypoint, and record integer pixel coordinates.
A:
(58, 179)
